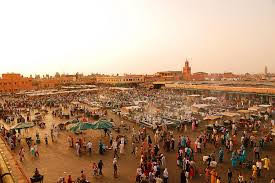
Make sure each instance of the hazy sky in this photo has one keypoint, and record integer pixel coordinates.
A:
(136, 36)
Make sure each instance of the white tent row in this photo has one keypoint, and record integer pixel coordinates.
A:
(59, 92)
(265, 106)
(120, 88)
(210, 98)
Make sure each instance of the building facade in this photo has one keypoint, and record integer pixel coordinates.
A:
(12, 83)
(199, 76)
(169, 75)
(53, 82)
(127, 79)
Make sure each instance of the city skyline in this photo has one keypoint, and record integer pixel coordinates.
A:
(54, 74)
(138, 37)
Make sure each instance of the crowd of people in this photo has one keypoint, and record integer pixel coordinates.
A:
(196, 156)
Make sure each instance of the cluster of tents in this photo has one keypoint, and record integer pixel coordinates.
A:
(75, 125)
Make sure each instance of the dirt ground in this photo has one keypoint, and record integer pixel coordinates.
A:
(58, 160)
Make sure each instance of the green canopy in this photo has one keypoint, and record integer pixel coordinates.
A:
(23, 125)
(102, 124)
(98, 125)
(80, 126)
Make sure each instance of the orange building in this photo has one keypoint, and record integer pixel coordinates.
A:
(54, 82)
(228, 75)
(199, 76)
(12, 83)
(186, 71)
(169, 75)
(126, 79)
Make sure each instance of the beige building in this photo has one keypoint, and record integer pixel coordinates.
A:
(127, 79)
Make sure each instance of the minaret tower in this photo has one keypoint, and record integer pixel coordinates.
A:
(186, 71)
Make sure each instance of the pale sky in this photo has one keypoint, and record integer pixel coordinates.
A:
(136, 36)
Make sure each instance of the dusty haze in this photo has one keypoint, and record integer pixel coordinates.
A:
(136, 36)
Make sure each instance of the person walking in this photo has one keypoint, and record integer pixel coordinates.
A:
(52, 135)
(158, 179)
(77, 147)
(207, 174)
(121, 148)
(46, 139)
(240, 178)
(221, 155)
(89, 147)
(133, 148)
(182, 177)
(32, 151)
(254, 171)
(213, 176)
(21, 154)
(259, 167)
(115, 167)
(229, 175)
(257, 152)
(115, 153)
(266, 161)
(100, 166)
(70, 179)
(36, 153)
(165, 176)
(83, 176)
(95, 169)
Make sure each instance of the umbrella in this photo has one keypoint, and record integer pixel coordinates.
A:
(81, 126)
(102, 124)
(23, 125)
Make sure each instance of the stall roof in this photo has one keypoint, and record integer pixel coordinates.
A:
(254, 108)
(120, 88)
(265, 105)
(212, 117)
(200, 105)
(132, 107)
(243, 111)
(75, 103)
(210, 98)
(230, 114)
